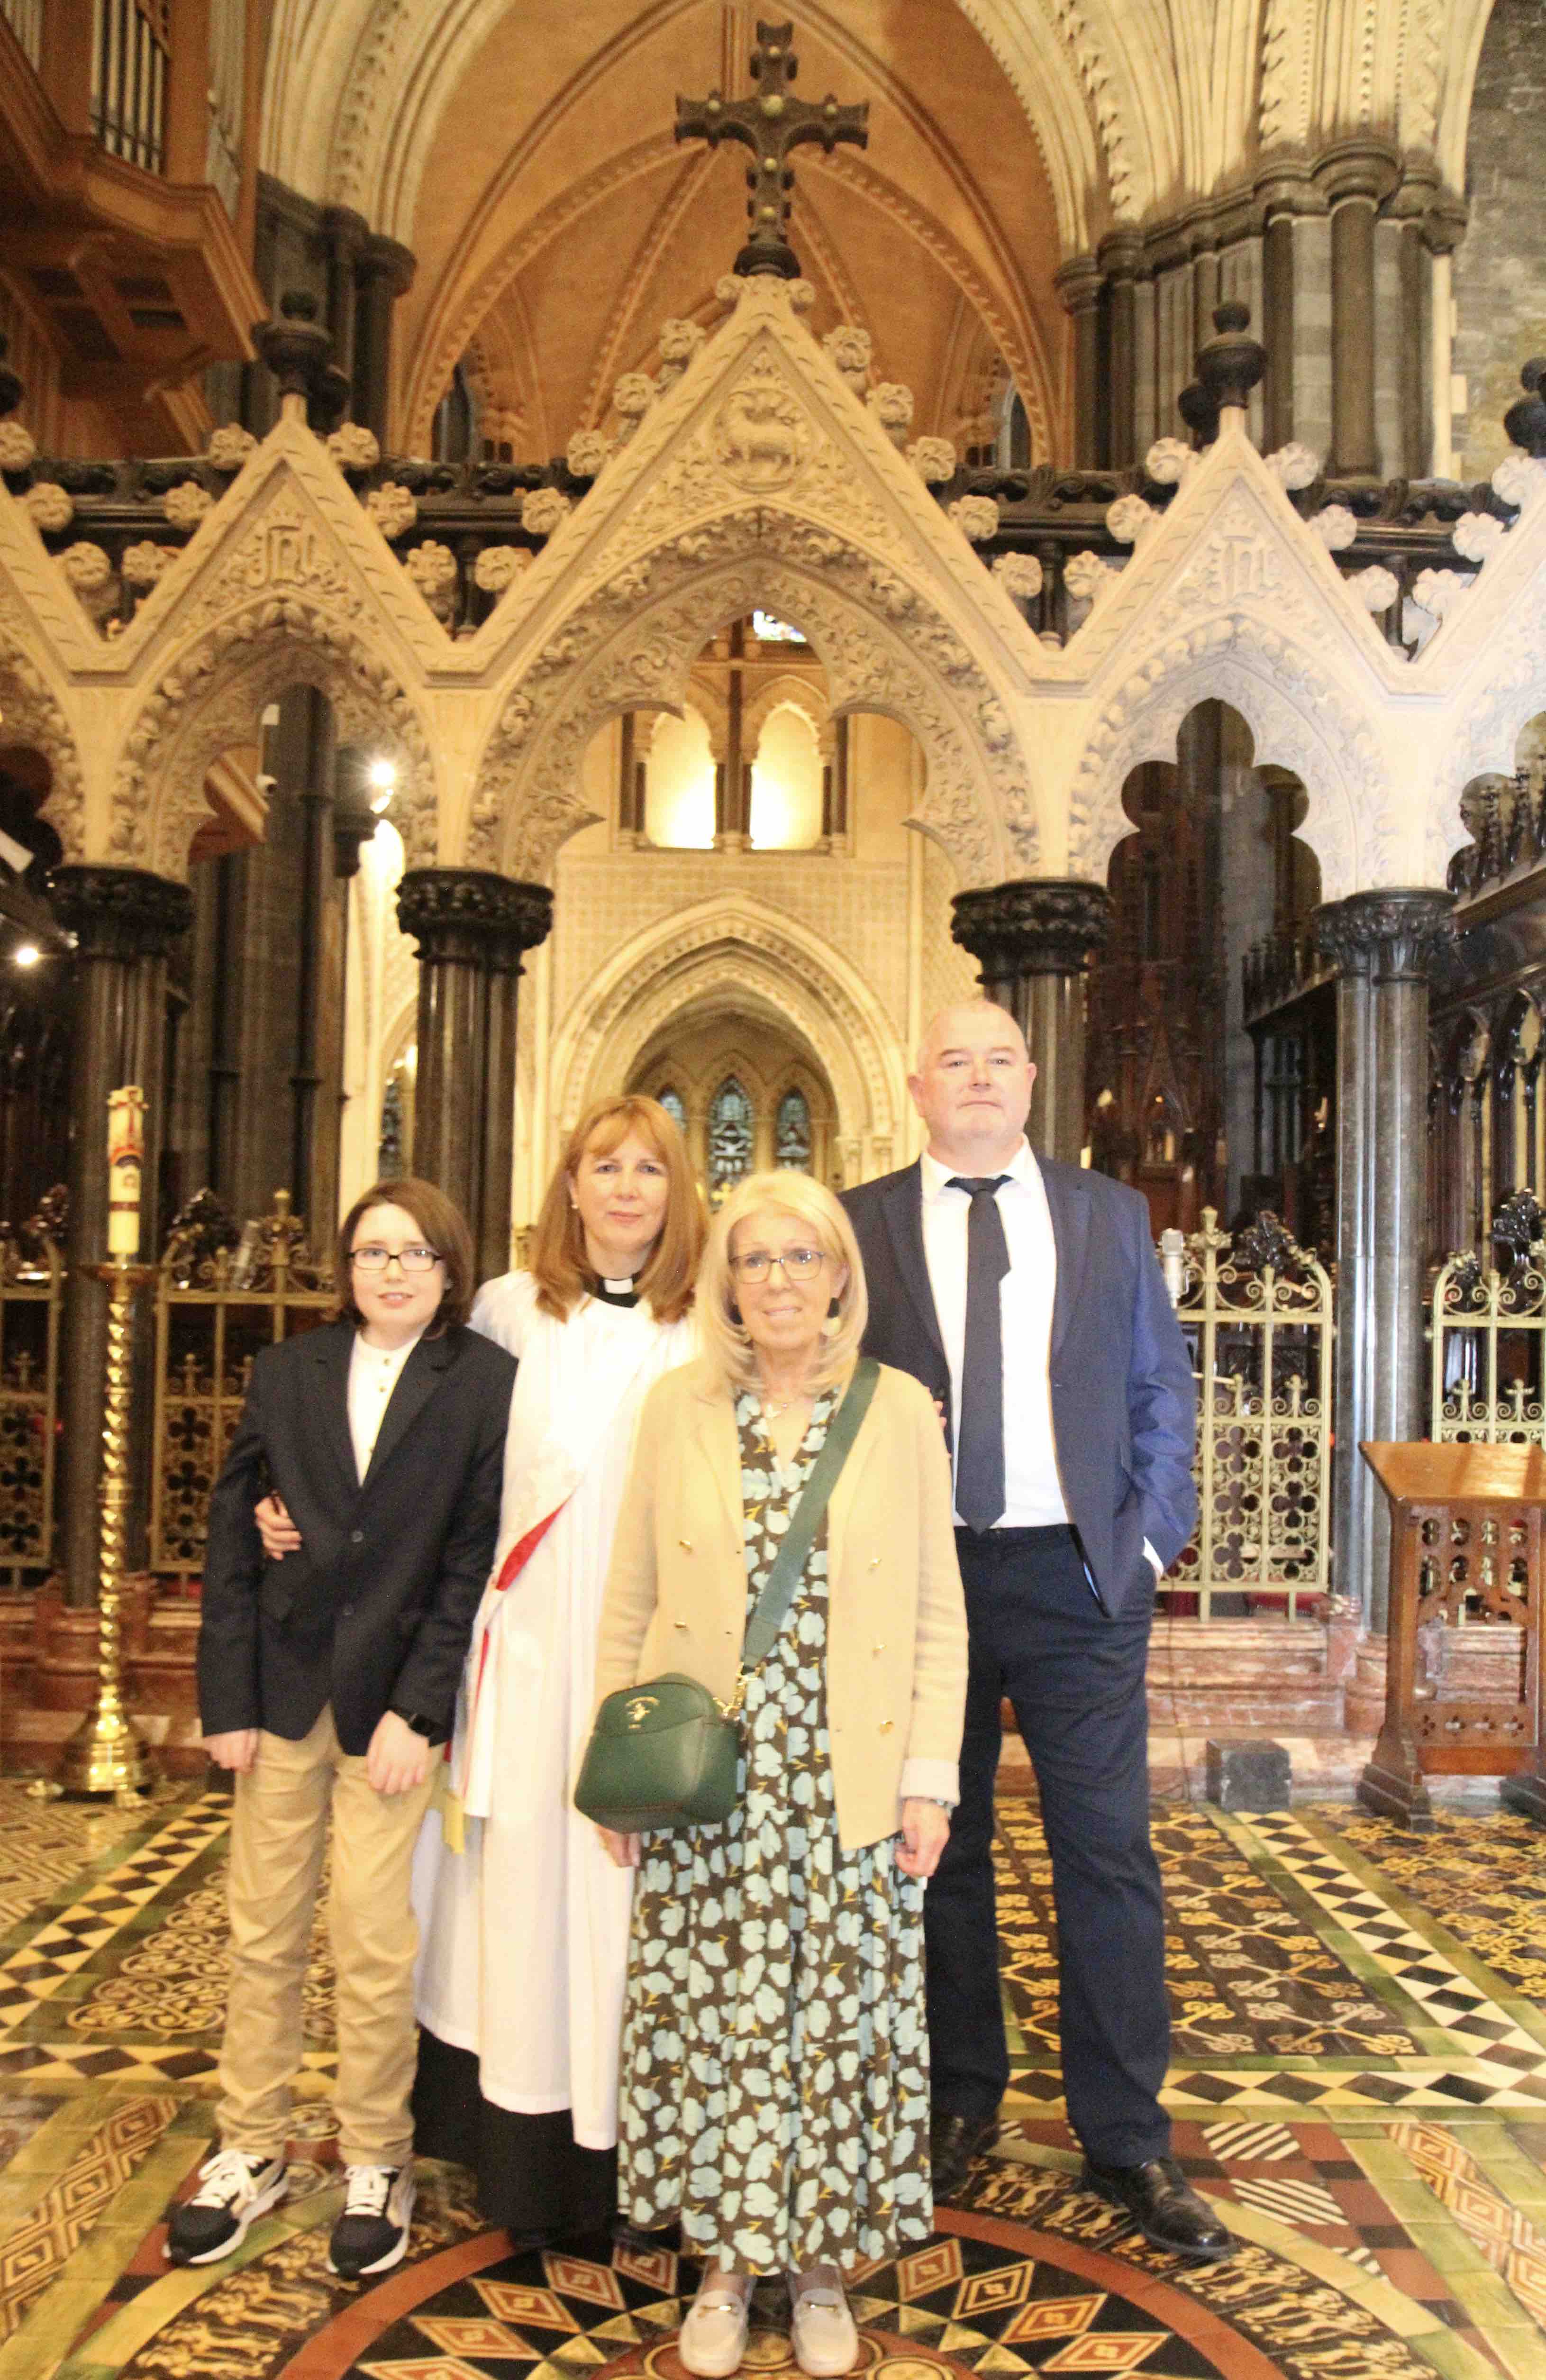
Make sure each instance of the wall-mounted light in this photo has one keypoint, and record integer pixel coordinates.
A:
(26, 955)
(382, 776)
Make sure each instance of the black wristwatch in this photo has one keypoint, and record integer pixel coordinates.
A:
(428, 1729)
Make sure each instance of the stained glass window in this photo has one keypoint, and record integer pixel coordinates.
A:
(730, 1136)
(673, 1103)
(792, 1132)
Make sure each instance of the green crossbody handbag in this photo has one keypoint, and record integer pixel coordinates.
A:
(665, 1754)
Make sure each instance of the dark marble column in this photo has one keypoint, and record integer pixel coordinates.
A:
(125, 922)
(1354, 176)
(383, 272)
(1382, 945)
(471, 928)
(1078, 284)
(1032, 940)
(1121, 252)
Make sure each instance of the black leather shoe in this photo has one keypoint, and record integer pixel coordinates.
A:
(954, 2140)
(1164, 2205)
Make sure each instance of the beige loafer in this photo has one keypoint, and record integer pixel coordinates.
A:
(714, 2335)
(824, 2336)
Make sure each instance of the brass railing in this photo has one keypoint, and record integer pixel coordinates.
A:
(222, 1294)
(1259, 1315)
(1487, 1350)
(31, 1307)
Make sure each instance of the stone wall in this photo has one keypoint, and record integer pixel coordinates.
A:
(1499, 267)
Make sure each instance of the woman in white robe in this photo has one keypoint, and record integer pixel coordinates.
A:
(524, 1928)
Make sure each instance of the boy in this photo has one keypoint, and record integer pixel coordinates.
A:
(324, 1680)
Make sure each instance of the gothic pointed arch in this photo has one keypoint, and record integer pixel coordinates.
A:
(737, 951)
(759, 481)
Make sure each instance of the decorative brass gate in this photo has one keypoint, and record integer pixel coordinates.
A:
(31, 1306)
(1258, 1315)
(222, 1294)
(1487, 1347)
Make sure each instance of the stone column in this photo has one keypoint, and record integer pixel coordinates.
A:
(1382, 945)
(383, 272)
(125, 921)
(1354, 176)
(1078, 284)
(1032, 940)
(1121, 252)
(471, 928)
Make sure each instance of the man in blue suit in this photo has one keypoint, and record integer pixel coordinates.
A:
(1025, 1295)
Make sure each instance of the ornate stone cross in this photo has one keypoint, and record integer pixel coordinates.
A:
(771, 123)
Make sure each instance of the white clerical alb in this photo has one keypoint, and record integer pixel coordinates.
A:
(374, 1373)
(1033, 1493)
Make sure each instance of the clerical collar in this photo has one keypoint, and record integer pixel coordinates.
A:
(617, 1293)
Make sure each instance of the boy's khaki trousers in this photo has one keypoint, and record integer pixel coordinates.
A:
(278, 1838)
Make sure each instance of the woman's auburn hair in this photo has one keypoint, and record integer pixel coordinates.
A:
(727, 1345)
(445, 1230)
(557, 1259)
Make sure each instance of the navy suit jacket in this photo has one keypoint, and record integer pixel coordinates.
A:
(377, 1607)
(1124, 1412)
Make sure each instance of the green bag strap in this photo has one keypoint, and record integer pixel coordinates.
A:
(773, 1603)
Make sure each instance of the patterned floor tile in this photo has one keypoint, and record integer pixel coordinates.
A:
(35, 2253)
(1248, 1976)
(1362, 2096)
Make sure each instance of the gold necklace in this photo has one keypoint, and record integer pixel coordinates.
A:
(770, 1411)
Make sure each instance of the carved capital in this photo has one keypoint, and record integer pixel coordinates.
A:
(1358, 167)
(1392, 937)
(473, 917)
(1120, 254)
(120, 913)
(1035, 926)
(1078, 284)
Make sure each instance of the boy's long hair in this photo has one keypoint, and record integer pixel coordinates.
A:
(444, 1230)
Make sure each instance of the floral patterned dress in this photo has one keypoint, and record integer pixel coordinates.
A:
(774, 2055)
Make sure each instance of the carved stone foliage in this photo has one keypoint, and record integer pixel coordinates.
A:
(33, 716)
(1391, 937)
(120, 913)
(527, 802)
(467, 915)
(210, 699)
(1241, 612)
(1039, 926)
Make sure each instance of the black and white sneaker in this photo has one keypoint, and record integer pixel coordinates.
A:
(234, 2190)
(371, 2234)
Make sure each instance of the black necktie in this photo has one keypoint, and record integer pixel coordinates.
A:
(980, 1425)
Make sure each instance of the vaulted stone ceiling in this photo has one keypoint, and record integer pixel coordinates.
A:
(523, 149)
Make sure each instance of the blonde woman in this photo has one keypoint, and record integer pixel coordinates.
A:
(775, 2088)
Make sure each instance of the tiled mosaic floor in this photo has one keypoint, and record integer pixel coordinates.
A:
(1359, 2078)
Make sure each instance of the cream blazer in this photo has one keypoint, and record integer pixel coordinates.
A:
(896, 1643)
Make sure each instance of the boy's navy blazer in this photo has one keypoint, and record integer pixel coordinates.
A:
(1124, 1411)
(377, 1607)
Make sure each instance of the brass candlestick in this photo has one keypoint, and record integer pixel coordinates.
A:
(106, 1754)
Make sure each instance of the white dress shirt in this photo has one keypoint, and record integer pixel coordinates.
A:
(1032, 1490)
(374, 1373)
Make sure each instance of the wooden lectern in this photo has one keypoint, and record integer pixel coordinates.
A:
(1465, 1550)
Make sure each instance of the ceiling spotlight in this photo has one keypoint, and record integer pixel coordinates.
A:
(26, 955)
